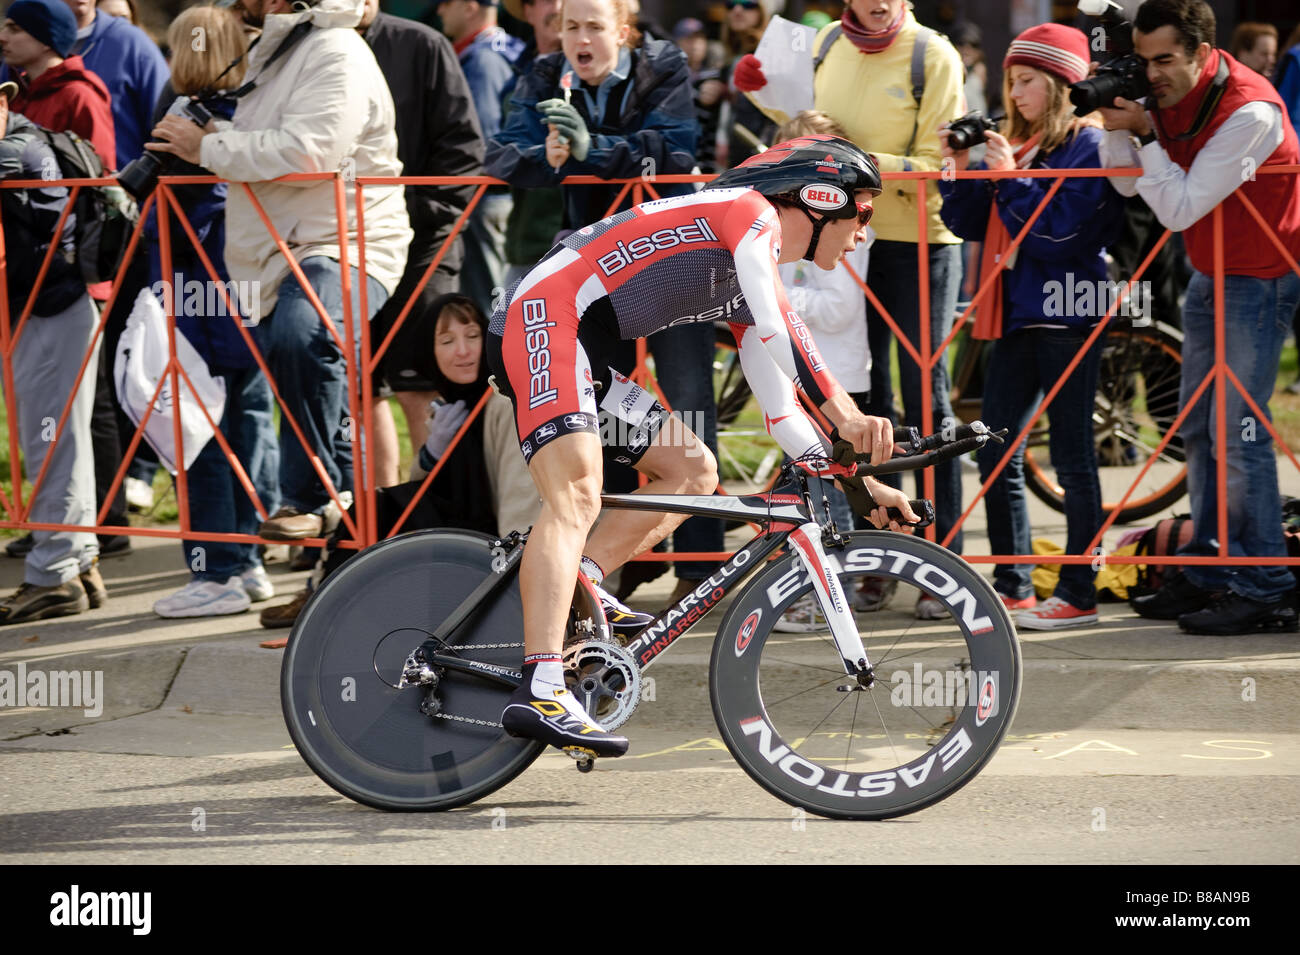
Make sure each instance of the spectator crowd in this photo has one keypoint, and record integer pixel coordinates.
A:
(531, 93)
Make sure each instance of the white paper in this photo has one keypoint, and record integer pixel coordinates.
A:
(786, 52)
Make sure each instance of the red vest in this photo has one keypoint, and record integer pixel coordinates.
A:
(1247, 250)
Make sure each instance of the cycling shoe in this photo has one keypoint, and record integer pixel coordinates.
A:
(622, 619)
(560, 722)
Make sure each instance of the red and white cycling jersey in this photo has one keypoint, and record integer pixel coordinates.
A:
(710, 256)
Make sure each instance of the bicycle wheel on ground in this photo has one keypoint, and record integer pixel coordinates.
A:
(944, 697)
(369, 740)
(1136, 403)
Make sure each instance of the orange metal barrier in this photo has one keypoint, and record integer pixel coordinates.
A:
(363, 528)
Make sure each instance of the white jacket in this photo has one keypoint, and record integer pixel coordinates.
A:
(323, 106)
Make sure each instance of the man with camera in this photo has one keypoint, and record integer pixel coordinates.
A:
(318, 103)
(1208, 125)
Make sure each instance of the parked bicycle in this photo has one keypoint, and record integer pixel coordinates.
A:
(398, 668)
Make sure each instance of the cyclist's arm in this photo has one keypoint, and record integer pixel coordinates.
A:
(755, 239)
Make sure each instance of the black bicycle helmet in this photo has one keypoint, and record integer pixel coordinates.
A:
(815, 173)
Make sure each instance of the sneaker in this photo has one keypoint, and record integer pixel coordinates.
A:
(1016, 604)
(21, 547)
(930, 608)
(874, 593)
(1177, 597)
(1055, 614)
(284, 615)
(257, 584)
(93, 584)
(290, 524)
(804, 616)
(559, 722)
(204, 598)
(1231, 614)
(139, 494)
(30, 602)
(114, 545)
(622, 618)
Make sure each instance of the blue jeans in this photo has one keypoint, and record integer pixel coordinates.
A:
(1257, 316)
(1023, 366)
(892, 276)
(218, 502)
(684, 368)
(310, 371)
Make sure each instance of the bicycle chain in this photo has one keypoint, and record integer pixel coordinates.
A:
(482, 646)
(465, 719)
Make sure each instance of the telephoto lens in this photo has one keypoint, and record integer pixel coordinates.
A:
(139, 177)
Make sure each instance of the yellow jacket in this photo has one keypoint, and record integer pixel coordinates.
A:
(870, 95)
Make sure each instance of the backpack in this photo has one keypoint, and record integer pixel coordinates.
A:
(105, 215)
(1163, 540)
(916, 71)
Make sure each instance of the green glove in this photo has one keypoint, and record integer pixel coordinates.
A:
(568, 122)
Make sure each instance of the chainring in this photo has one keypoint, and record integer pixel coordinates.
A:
(606, 680)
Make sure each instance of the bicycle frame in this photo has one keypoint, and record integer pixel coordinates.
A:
(781, 517)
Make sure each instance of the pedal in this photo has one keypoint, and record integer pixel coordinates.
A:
(584, 758)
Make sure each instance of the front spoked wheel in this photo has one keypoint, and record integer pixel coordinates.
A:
(944, 696)
(417, 748)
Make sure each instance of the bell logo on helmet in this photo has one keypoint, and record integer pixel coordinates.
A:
(825, 197)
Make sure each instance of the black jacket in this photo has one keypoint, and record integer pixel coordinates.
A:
(649, 127)
(30, 216)
(437, 128)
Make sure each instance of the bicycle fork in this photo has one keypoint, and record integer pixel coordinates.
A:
(844, 629)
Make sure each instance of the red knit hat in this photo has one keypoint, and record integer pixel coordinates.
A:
(1053, 48)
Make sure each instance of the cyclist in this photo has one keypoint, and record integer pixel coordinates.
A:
(708, 256)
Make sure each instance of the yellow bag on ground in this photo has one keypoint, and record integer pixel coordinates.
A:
(1113, 580)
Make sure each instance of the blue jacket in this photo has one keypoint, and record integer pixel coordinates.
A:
(651, 129)
(1066, 242)
(214, 336)
(488, 64)
(133, 69)
(1288, 82)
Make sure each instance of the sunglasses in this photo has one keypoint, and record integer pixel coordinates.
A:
(746, 4)
(864, 213)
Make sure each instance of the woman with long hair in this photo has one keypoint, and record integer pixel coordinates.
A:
(1035, 333)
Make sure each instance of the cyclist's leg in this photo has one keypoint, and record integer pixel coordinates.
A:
(676, 462)
(567, 472)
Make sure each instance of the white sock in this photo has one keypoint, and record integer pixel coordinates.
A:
(592, 570)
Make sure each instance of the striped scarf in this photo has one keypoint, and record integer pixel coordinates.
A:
(867, 41)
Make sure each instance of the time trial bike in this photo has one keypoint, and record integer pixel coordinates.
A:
(398, 668)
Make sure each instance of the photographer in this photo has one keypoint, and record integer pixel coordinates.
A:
(318, 104)
(1212, 123)
(230, 576)
(1034, 343)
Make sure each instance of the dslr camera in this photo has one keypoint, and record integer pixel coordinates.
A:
(140, 176)
(1124, 76)
(971, 130)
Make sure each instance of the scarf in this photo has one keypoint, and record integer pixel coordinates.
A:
(864, 39)
(997, 240)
